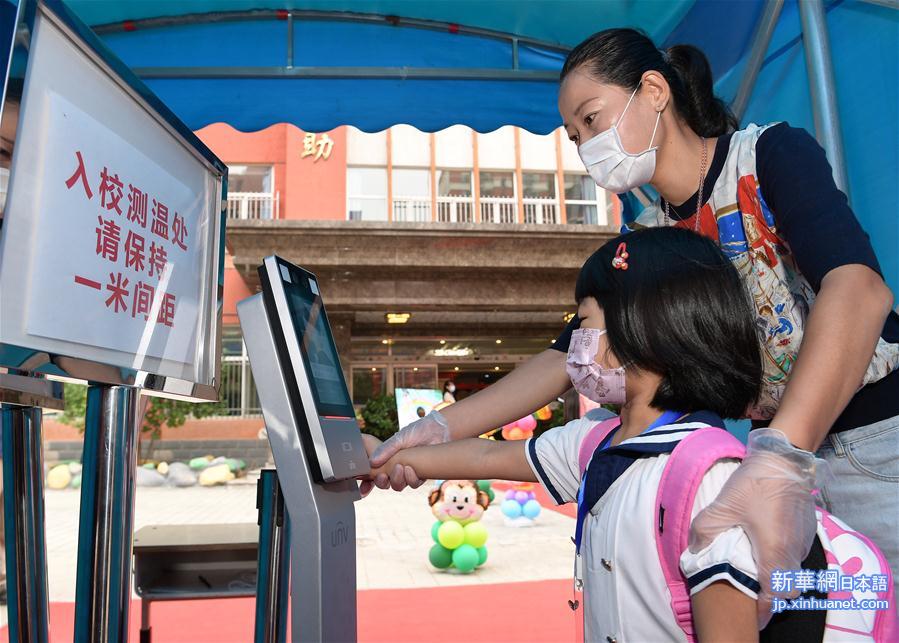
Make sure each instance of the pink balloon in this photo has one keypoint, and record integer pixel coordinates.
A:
(528, 423)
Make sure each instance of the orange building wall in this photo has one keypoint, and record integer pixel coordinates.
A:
(307, 189)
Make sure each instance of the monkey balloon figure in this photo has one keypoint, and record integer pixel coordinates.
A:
(458, 534)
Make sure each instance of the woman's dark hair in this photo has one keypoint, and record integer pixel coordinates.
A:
(622, 56)
(679, 310)
(446, 385)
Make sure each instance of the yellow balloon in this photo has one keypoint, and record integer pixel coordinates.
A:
(475, 534)
(451, 534)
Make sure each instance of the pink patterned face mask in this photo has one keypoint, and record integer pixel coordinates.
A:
(592, 380)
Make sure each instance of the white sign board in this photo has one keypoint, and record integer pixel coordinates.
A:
(111, 232)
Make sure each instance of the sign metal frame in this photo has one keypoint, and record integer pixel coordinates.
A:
(67, 367)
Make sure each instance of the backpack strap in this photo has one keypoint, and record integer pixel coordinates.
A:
(593, 439)
(683, 473)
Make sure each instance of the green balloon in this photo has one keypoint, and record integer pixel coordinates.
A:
(434, 529)
(440, 557)
(482, 555)
(451, 534)
(465, 558)
(475, 534)
(484, 485)
(490, 495)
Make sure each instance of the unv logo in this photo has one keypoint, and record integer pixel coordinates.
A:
(340, 535)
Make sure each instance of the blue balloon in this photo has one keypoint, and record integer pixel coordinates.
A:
(531, 509)
(511, 509)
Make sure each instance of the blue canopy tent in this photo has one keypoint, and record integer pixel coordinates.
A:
(487, 63)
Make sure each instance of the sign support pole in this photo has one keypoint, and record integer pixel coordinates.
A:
(273, 572)
(23, 514)
(106, 525)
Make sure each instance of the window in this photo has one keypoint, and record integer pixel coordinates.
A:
(366, 193)
(415, 377)
(454, 183)
(498, 184)
(412, 195)
(538, 185)
(368, 382)
(237, 390)
(498, 197)
(251, 192)
(412, 182)
(454, 202)
(539, 197)
(250, 178)
(581, 203)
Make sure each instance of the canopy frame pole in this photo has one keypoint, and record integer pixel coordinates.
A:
(289, 40)
(761, 39)
(821, 87)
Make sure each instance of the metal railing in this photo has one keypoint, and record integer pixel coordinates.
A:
(499, 210)
(253, 205)
(411, 209)
(542, 211)
(455, 209)
(238, 390)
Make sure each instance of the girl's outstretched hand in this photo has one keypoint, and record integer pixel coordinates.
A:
(770, 498)
(431, 429)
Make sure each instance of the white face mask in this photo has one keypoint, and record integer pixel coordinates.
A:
(451, 388)
(613, 169)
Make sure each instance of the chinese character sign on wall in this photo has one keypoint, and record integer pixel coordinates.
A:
(120, 243)
(317, 146)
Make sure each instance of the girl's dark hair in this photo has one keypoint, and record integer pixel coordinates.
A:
(622, 56)
(680, 310)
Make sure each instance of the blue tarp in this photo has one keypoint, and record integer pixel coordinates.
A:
(864, 40)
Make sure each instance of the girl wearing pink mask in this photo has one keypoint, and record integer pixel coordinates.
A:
(668, 336)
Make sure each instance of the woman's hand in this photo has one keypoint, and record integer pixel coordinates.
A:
(770, 498)
(431, 429)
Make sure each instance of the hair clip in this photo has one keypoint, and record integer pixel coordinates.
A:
(619, 261)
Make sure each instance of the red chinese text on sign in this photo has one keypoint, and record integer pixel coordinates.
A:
(137, 206)
(80, 173)
(143, 300)
(166, 314)
(110, 191)
(134, 251)
(158, 258)
(108, 237)
(179, 231)
(118, 286)
(160, 225)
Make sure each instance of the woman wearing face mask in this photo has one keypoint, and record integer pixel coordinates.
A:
(829, 340)
(449, 391)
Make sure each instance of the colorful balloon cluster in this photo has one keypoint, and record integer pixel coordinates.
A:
(459, 536)
(520, 429)
(521, 502)
(458, 546)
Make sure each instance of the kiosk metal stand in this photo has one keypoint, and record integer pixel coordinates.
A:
(322, 518)
(23, 503)
(105, 533)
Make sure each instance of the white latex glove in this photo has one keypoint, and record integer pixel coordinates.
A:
(431, 429)
(770, 497)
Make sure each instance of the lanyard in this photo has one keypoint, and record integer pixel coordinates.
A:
(668, 417)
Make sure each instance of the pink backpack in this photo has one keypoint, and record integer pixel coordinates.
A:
(845, 549)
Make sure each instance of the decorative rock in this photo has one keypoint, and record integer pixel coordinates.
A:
(59, 477)
(215, 474)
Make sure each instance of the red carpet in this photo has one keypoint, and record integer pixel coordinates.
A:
(534, 611)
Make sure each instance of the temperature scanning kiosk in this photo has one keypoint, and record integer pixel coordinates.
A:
(315, 441)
